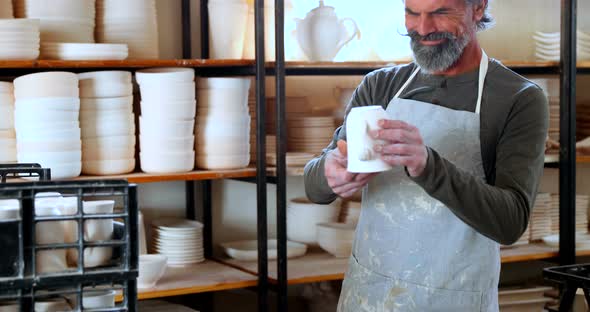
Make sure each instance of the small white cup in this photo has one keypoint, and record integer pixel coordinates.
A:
(361, 157)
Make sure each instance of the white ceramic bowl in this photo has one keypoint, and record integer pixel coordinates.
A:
(224, 83)
(105, 76)
(222, 162)
(124, 141)
(7, 134)
(6, 117)
(172, 144)
(48, 84)
(106, 89)
(97, 299)
(6, 87)
(19, 24)
(94, 154)
(223, 99)
(108, 167)
(63, 170)
(162, 128)
(336, 238)
(248, 250)
(223, 148)
(50, 157)
(183, 110)
(105, 127)
(8, 155)
(165, 74)
(43, 104)
(72, 134)
(302, 217)
(166, 91)
(167, 162)
(48, 146)
(104, 115)
(25, 117)
(107, 104)
(39, 130)
(151, 269)
(49, 305)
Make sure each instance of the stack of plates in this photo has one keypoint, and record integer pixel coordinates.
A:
(19, 39)
(310, 134)
(583, 120)
(547, 46)
(7, 138)
(350, 212)
(83, 51)
(61, 20)
(46, 122)
(223, 123)
(581, 213)
(6, 9)
(132, 22)
(107, 122)
(540, 224)
(253, 123)
(178, 239)
(293, 159)
(167, 119)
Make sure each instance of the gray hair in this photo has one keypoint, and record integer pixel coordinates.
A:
(487, 21)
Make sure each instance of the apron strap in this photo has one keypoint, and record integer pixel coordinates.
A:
(483, 71)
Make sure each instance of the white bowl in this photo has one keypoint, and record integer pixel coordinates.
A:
(6, 117)
(107, 152)
(72, 134)
(119, 126)
(107, 104)
(48, 84)
(184, 110)
(302, 217)
(248, 250)
(103, 115)
(108, 167)
(223, 148)
(5, 143)
(165, 74)
(162, 128)
(47, 305)
(172, 144)
(106, 90)
(19, 24)
(166, 91)
(151, 269)
(124, 141)
(223, 83)
(63, 170)
(24, 117)
(43, 104)
(223, 162)
(98, 299)
(6, 87)
(167, 162)
(48, 146)
(105, 76)
(50, 157)
(336, 238)
(223, 99)
(33, 129)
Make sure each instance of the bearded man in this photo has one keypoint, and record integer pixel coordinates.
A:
(467, 159)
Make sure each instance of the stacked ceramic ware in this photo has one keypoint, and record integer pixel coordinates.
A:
(581, 213)
(7, 137)
(310, 134)
(223, 123)
(227, 39)
(107, 122)
(132, 22)
(83, 51)
(6, 9)
(46, 121)
(253, 123)
(540, 223)
(180, 240)
(19, 39)
(167, 121)
(61, 20)
(302, 217)
(547, 46)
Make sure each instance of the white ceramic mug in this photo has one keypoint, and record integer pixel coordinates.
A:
(361, 156)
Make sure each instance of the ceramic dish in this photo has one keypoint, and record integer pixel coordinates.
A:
(172, 74)
(108, 166)
(248, 250)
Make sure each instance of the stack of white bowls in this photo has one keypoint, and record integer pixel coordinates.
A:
(302, 217)
(227, 23)
(7, 138)
(223, 123)
(46, 122)
(167, 119)
(61, 20)
(19, 39)
(83, 51)
(107, 122)
(132, 22)
(6, 9)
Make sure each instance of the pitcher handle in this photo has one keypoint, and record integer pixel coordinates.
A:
(356, 32)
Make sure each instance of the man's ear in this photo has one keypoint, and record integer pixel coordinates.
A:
(479, 10)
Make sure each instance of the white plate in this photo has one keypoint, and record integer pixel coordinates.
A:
(174, 224)
(248, 250)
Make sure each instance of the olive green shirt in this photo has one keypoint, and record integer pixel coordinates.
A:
(514, 120)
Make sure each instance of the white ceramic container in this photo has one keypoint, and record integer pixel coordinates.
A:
(151, 269)
(336, 238)
(361, 156)
(302, 217)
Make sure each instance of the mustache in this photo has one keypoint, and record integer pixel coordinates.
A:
(416, 37)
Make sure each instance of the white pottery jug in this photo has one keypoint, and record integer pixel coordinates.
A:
(321, 34)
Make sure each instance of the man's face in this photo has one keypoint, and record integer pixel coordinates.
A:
(440, 30)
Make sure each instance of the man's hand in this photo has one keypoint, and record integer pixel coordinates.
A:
(403, 146)
(342, 182)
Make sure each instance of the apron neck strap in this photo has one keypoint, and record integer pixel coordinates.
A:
(483, 71)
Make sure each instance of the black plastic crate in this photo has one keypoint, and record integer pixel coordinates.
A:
(570, 278)
(20, 264)
(24, 171)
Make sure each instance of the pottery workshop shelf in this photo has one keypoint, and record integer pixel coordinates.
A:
(55, 64)
(203, 277)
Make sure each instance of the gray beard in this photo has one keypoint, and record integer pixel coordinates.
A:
(440, 57)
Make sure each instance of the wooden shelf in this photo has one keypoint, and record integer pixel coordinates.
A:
(203, 277)
(583, 159)
(142, 177)
(319, 266)
(57, 64)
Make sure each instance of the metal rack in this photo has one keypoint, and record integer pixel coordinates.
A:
(24, 171)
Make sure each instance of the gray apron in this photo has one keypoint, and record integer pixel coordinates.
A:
(411, 253)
